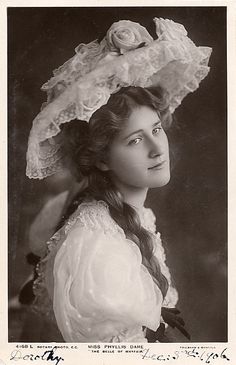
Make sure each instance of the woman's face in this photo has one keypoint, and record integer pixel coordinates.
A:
(139, 155)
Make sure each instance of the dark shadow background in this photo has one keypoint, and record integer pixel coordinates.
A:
(191, 210)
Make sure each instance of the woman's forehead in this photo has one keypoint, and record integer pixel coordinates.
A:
(142, 117)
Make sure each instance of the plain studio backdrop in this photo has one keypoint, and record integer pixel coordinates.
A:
(191, 210)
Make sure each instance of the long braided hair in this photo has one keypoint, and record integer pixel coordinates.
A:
(87, 143)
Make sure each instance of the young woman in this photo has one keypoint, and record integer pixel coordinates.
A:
(104, 276)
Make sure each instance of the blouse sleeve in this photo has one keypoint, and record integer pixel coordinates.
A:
(101, 287)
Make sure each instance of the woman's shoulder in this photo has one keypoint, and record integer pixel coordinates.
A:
(93, 215)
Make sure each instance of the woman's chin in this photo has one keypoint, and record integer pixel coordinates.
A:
(161, 181)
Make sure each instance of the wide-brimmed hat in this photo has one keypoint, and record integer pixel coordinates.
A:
(127, 56)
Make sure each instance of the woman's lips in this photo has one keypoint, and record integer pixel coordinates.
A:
(157, 166)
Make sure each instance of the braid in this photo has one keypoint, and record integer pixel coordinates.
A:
(86, 144)
(127, 218)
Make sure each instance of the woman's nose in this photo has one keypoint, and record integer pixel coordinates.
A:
(155, 148)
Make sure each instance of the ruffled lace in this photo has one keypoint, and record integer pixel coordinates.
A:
(94, 217)
(148, 220)
(85, 82)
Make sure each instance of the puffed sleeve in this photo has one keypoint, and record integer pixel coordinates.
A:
(101, 287)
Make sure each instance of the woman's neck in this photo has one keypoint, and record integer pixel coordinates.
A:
(133, 196)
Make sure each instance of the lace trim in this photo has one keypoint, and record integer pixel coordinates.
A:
(95, 215)
(42, 303)
(85, 59)
(148, 220)
(171, 297)
(92, 215)
(85, 82)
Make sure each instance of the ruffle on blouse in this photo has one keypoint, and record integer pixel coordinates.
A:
(99, 288)
(148, 221)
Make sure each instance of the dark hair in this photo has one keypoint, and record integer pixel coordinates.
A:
(87, 143)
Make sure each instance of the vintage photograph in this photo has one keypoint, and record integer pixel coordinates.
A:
(117, 174)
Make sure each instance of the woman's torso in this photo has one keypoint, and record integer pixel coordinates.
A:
(94, 216)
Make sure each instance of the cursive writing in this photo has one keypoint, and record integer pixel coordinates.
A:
(48, 355)
(205, 356)
(148, 355)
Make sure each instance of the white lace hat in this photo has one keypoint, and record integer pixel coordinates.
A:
(127, 56)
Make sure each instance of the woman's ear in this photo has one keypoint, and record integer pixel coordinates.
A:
(102, 166)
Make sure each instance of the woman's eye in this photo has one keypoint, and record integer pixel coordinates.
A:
(135, 141)
(156, 130)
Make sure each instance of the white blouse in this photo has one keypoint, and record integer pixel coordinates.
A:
(94, 277)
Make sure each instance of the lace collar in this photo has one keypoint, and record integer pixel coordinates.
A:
(99, 210)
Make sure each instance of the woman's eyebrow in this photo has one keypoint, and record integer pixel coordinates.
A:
(141, 130)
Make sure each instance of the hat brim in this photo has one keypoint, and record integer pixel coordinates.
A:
(177, 65)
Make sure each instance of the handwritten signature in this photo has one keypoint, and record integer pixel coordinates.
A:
(204, 356)
(48, 355)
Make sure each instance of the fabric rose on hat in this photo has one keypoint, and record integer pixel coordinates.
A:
(125, 35)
